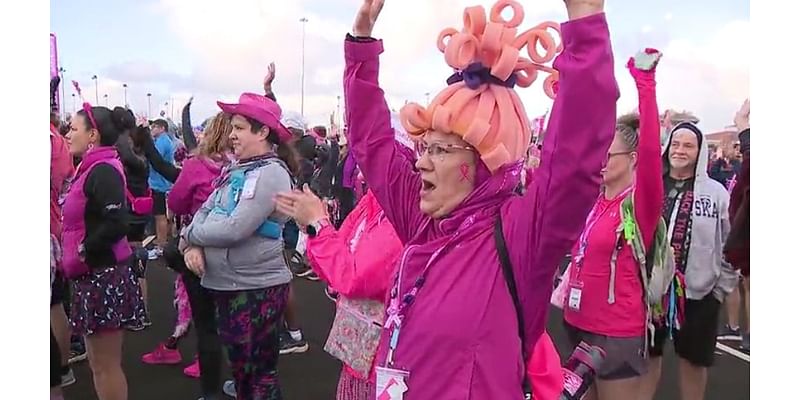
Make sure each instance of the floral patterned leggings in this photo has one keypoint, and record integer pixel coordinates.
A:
(248, 325)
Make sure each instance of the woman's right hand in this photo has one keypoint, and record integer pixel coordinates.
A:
(195, 260)
(366, 17)
(577, 9)
(742, 117)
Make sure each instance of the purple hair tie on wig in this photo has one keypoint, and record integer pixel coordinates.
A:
(477, 74)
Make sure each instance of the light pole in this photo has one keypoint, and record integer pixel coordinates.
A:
(73, 103)
(148, 104)
(96, 90)
(105, 97)
(338, 111)
(63, 94)
(303, 70)
(125, 94)
(427, 98)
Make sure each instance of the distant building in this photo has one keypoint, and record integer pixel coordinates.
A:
(728, 134)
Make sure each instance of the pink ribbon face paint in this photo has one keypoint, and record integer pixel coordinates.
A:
(464, 169)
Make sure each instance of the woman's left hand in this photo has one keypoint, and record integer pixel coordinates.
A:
(302, 206)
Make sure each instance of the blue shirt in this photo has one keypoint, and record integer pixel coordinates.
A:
(166, 148)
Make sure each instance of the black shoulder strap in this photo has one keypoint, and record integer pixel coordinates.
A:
(508, 274)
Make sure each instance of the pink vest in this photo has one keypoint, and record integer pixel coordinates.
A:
(74, 223)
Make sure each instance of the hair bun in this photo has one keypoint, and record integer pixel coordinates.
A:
(123, 119)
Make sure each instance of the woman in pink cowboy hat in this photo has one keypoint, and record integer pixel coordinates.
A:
(469, 299)
(234, 244)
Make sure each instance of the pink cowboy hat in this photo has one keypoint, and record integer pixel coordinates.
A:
(261, 109)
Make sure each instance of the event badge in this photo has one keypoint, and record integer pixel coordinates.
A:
(390, 383)
(249, 189)
(574, 300)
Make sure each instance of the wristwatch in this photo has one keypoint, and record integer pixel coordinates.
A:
(315, 227)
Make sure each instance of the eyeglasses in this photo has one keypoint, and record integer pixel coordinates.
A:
(619, 153)
(438, 149)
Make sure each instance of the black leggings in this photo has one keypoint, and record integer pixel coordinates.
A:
(347, 201)
(209, 348)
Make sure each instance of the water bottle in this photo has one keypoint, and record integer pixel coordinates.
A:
(580, 371)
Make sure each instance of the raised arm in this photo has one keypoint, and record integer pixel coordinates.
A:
(649, 188)
(546, 221)
(387, 170)
(186, 126)
(551, 214)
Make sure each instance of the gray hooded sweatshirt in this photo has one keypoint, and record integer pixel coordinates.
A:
(706, 269)
(236, 256)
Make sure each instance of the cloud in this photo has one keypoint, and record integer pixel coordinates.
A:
(708, 77)
(231, 43)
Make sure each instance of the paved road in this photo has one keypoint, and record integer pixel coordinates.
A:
(313, 375)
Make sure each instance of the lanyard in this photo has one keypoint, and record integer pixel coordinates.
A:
(398, 306)
(591, 221)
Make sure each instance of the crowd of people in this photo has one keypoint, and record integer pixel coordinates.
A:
(442, 256)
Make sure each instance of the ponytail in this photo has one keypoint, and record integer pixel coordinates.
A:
(286, 152)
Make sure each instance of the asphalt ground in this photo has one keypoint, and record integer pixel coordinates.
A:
(313, 375)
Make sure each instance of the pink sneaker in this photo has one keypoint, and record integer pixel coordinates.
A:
(162, 355)
(193, 370)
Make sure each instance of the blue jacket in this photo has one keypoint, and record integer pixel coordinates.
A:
(166, 148)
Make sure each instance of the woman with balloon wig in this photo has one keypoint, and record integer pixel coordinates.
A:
(454, 328)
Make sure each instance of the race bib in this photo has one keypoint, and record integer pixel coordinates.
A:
(390, 384)
(249, 188)
(575, 298)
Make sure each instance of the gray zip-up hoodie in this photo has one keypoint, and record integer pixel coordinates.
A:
(238, 258)
(706, 269)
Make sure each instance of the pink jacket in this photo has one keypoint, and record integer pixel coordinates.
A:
(462, 324)
(61, 170)
(352, 267)
(355, 268)
(544, 370)
(194, 185)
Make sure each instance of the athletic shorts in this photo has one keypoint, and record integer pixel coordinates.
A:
(136, 232)
(159, 203)
(696, 341)
(624, 356)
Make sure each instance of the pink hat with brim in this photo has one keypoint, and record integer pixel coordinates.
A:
(261, 109)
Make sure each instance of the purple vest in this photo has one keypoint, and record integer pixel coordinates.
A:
(74, 225)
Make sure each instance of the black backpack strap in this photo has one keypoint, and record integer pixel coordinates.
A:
(508, 274)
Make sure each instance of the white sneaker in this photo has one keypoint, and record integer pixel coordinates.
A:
(229, 388)
(154, 253)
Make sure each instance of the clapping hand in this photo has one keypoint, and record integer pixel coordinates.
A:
(742, 117)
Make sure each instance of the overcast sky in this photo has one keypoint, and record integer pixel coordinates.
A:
(215, 50)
